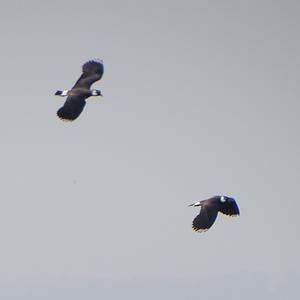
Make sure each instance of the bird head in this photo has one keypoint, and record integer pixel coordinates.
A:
(96, 93)
(61, 93)
(224, 199)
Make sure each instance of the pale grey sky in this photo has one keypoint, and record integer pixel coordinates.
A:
(200, 98)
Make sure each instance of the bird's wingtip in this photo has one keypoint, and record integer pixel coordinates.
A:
(199, 229)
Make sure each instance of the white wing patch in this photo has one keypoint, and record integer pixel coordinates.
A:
(98, 60)
(64, 93)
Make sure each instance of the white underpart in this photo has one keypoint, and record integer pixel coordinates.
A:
(223, 199)
(64, 93)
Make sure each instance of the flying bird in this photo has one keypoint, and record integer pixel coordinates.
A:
(92, 71)
(209, 211)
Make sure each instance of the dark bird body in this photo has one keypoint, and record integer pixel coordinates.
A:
(209, 211)
(92, 71)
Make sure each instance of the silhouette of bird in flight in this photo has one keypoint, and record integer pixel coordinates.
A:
(209, 211)
(92, 71)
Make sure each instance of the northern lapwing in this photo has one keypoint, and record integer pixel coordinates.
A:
(209, 211)
(92, 71)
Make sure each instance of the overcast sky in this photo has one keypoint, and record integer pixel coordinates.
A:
(200, 98)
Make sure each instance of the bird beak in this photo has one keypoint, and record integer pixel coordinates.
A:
(195, 204)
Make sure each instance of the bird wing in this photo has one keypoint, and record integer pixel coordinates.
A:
(206, 217)
(72, 108)
(91, 71)
(229, 208)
